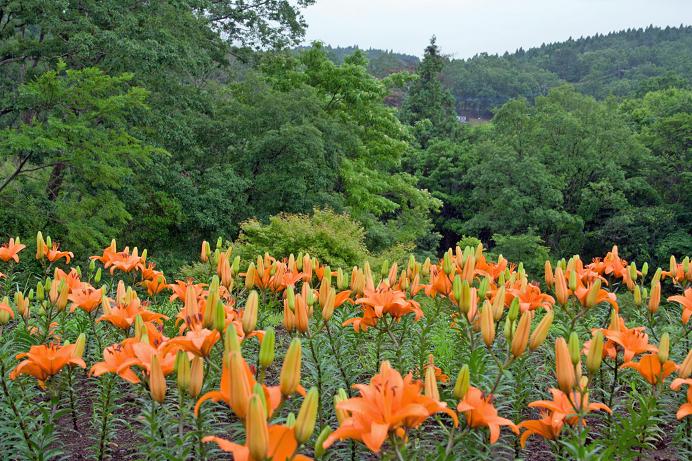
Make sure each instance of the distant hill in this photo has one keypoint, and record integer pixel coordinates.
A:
(625, 63)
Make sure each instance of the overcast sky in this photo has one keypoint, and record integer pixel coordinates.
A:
(467, 27)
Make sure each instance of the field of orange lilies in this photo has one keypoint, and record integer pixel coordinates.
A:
(468, 357)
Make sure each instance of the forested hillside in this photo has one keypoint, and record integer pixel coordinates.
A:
(119, 124)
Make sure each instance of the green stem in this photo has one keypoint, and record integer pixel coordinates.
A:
(17, 415)
(319, 379)
(337, 356)
(104, 418)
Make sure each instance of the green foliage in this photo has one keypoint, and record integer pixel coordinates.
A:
(75, 145)
(527, 248)
(335, 239)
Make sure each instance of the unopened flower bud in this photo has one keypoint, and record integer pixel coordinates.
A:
(463, 382)
(664, 348)
(307, 416)
(266, 353)
(595, 355)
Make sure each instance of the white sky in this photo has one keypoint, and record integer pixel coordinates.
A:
(467, 27)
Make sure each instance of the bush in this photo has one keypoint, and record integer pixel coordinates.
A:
(334, 238)
(523, 247)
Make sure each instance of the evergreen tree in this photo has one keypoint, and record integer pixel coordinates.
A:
(429, 107)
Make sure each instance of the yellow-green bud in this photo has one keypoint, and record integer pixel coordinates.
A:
(456, 288)
(307, 416)
(231, 343)
(633, 271)
(291, 420)
(595, 355)
(319, 443)
(645, 269)
(574, 348)
(572, 280)
(664, 348)
(637, 295)
(461, 386)
(514, 309)
(266, 353)
(97, 277)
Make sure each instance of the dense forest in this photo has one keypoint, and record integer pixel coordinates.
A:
(167, 124)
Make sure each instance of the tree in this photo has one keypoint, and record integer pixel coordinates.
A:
(428, 100)
(75, 141)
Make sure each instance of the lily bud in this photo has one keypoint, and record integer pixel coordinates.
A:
(564, 369)
(291, 298)
(673, 267)
(62, 300)
(447, 265)
(157, 382)
(487, 324)
(637, 295)
(541, 332)
(499, 303)
(592, 294)
(231, 343)
(240, 390)
(574, 348)
(219, 317)
(41, 246)
(328, 309)
(6, 313)
(685, 369)
(465, 301)
(250, 276)
(319, 443)
(266, 352)
(462, 384)
(341, 415)
(572, 280)
(655, 297)
(182, 371)
(456, 288)
(483, 287)
(664, 348)
(301, 316)
(633, 271)
(196, 376)
(595, 355)
(250, 313)
(256, 428)
(548, 271)
(507, 330)
(430, 389)
(645, 269)
(514, 309)
(205, 252)
(79, 346)
(22, 304)
(290, 370)
(561, 293)
(40, 292)
(657, 276)
(305, 422)
(97, 277)
(521, 334)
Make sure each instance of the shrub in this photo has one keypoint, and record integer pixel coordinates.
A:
(333, 238)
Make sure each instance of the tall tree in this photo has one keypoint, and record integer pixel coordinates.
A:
(429, 106)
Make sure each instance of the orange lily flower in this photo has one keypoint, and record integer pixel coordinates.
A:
(563, 410)
(490, 269)
(44, 361)
(546, 427)
(198, 341)
(282, 446)
(241, 382)
(480, 411)
(123, 316)
(72, 279)
(611, 264)
(384, 300)
(156, 284)
(179, 289)
(144, 352)
(388, 405)
(86, 298)
(686, 408)
(10, 250)
(53, 254)
(649, 366)
(686, 304)
(126, 262)
(118, 358)
(531, 298)
(440, 283)
(602, 295)
(633, 341)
